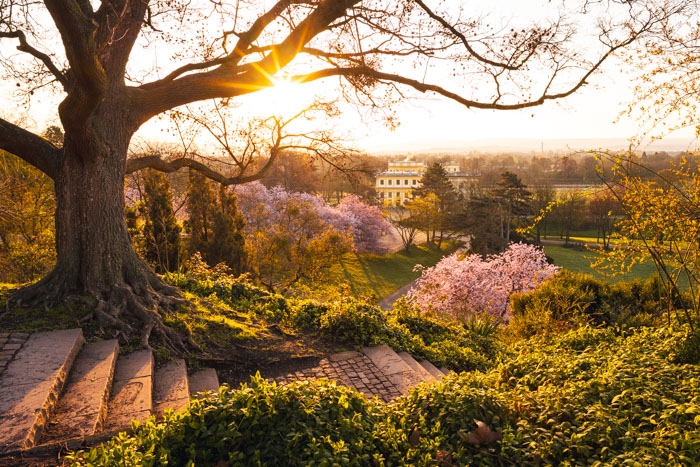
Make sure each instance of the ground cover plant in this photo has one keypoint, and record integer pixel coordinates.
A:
(587, 397)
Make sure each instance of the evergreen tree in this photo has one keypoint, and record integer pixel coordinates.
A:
(161, 231)
(215, 224)
(481, 223)
(514, 201)
(201, 200)
(448, 203)
(227, 244)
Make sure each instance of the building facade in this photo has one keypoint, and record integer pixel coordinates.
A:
(396, 184)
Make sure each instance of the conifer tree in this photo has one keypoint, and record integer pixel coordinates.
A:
(215, 224)
(446, 200)
(200, 204)
(227, 244)
(514, 200)
(161, 231)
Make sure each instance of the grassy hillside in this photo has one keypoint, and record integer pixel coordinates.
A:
(381, 275)
(579, 260)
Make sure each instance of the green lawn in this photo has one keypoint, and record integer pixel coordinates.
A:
(580, 261)
(381, 275)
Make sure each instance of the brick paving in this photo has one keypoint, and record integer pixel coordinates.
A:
(10, 343)
(353, 369)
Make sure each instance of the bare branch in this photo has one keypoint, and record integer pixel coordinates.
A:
(44, 58)
(157, 163)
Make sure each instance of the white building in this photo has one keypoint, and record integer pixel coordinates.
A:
(396, 184)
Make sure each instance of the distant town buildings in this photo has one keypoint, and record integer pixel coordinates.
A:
(396, 184)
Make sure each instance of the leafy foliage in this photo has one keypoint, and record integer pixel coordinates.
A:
(356, 322)
(289, 236)
(27, 202)
(660, 224)
(592, 396)
(568, 300)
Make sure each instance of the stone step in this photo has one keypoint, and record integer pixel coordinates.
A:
(205, 380)
(393, 366)
(424, 374)
(432, 369)
(82, 408)
(171, 387)
(132, 391)
(31, 384)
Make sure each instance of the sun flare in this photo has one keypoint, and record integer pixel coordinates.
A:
(284, 99)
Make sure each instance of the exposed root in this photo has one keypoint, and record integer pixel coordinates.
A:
(122, 307)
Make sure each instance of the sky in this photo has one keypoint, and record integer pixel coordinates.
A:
(432, 123)
(429, 122)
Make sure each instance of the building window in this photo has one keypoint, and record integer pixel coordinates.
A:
(414, 182)
(381, 182)
(388, 182)
(405, 182)
(391, 195)
(398, 194)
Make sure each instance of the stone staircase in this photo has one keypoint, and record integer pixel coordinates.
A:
(376, 371)
(55, 390)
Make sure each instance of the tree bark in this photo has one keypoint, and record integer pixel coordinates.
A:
(95, 256)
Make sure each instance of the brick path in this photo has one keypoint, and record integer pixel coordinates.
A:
(352, 369)
(9, 345)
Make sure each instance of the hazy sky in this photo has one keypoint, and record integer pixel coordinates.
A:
(432, 121)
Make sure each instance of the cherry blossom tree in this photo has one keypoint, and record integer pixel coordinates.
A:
(367, 223)
(461, 287)
(293, 236)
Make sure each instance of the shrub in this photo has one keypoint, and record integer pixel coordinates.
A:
(444, 342)
(306, 314)
(589, 396)
(569, 300)
(303, 423)
(354, 322)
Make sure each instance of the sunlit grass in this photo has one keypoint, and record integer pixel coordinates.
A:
(370, 275)
(578, 260)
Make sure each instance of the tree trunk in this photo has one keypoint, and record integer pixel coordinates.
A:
(95, 256)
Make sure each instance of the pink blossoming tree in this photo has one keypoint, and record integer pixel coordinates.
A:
(463, 287)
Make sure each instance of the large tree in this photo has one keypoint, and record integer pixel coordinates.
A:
(94, 53)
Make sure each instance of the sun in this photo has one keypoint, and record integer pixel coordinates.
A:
(284, 99)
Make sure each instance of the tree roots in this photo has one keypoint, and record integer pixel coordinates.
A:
(122, 307)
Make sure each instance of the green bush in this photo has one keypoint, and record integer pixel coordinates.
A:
(303, 423)
(306, 314)
(444, 342)
(570, 300)
(354, 322)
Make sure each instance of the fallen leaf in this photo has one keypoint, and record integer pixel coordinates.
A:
(444, 458)
(482, 434)
(414, 437)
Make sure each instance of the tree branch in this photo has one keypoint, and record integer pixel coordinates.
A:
(157, 163)
(230, 79)
(44, 58)
(78, 33)
(427, 87)
(31, 148)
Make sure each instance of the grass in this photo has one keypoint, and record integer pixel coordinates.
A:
(578, 260)
(381, 275)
